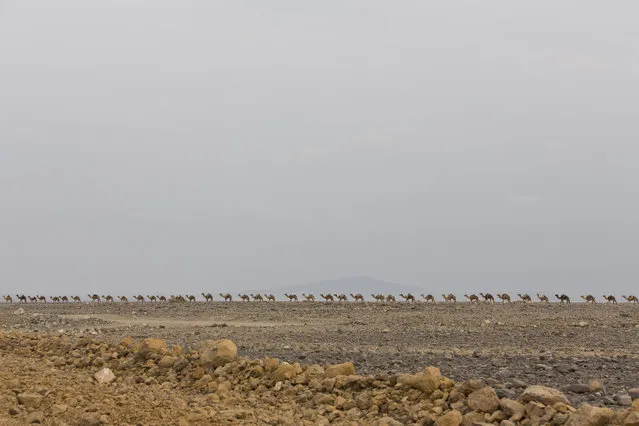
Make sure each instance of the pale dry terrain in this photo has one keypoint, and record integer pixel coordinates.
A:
(508, 346)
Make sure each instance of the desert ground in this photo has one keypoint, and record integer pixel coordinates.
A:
(508, 346)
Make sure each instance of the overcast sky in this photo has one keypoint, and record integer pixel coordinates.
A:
(190, 145)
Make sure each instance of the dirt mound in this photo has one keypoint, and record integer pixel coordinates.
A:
(58, 380)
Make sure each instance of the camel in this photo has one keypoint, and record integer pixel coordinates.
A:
(357, 297)
(152, 298)
(408, 298)
(631, 298)
(449, 298)
(341, 297)
(563, 298)
(108, 298)
(244, 297)
(390, 298)
(33, 299)
(270, 297)
(327, 297)
(41, 298)
(139, 298)
(291, 297)
(178, 298)
(258, 297)
(22, 298)
(543, 298)
(487, 297)
(8, 299)
(76, 299)
(123, 299)
(191, 298)
(505, 297)
(428, 298)
(54, 299)
(589, 298)
(227, 297)
(162, 298)
(308, 297)
(378, 297)
(611, 299)
(472, 298)
(94, 298)
(64, 299)
(525, 297)
(208, 297)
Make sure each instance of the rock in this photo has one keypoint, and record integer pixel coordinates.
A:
(634, 393)
(595, 385)
(18, 311)
(89, 419)
(635, 404)
(624, 400)
(386, 421)
(345, 369)
(104, 376)
(588, 415)
(632, 419)
(426, 381)
(36, 417)
(127, 342)
(484, 399)
(515, 410)
(167, 361)
(314, 371)
(216, 353)
(151, 346)
(30, 400)
(543, 394)
(452, 418)
(506, 423)
(472, 418)
(284, 372)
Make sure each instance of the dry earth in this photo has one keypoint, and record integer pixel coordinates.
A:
(507, 346)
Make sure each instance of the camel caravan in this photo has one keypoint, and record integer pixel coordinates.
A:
(408, 298)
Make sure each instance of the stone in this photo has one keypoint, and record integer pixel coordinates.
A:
(543, 394)
(104, 376)
(152, 346)
(19, 311)
(37, 417)
(167, 361)
(89, 419)
(535, 410)
(426, 381)
(216, 353)
(345, 369)
(473, 417)
(58, 409)
(632, 419)
(634, 393)
(314, 371)
(588, 415)
(635, 404)
(285, 371)
(624, 400)
(515, 410)
(452, 418)
(595, 385)
(127, 342)
(386, 421)
(484, 399)
(30, 400)
(506, 423)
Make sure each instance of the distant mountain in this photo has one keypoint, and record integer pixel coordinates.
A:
(364, 285)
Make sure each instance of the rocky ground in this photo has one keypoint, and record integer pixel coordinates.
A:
(590, 353)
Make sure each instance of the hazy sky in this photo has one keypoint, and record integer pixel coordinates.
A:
(191, 145)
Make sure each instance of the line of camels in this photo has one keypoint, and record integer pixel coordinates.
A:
(328, 298)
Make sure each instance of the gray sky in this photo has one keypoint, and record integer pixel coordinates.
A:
(187, 145)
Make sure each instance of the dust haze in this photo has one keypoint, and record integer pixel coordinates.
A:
(182, 146)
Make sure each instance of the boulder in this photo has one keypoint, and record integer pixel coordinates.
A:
(543, 394)
(345, 369)
(104, 376)
(588, 415)
(484, 399)
(216, 353)
(452, 418)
